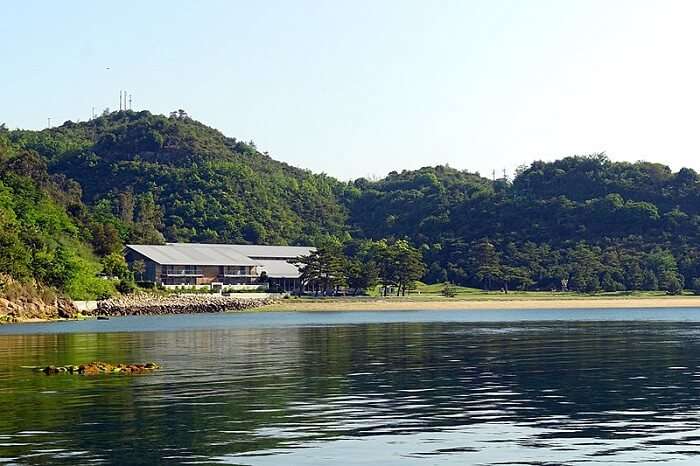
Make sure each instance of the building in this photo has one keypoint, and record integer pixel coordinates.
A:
(236, 266)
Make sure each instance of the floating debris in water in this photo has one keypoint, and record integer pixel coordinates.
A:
(97, 367)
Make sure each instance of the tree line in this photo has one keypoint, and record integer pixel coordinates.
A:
(73, 195)
(360, 266)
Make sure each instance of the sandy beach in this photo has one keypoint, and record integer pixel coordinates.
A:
(408, 304)
(494, 302)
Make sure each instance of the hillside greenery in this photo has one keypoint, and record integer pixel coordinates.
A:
(40, 242)
(361, 266)
(72, 195)
(158, 178)
(580, 223)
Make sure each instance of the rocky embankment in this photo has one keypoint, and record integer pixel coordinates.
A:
(20, 302)
(28, 308)
(142, 304)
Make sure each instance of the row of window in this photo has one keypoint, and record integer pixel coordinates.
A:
(196, 270)
(181, 270)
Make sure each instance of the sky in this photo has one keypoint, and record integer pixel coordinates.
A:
(360, 88)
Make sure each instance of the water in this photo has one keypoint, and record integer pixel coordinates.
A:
(455, 387)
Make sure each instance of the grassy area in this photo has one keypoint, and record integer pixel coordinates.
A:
(434, 292)
(486, 301)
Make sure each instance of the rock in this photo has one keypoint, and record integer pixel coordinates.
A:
(28, 302)
(66, 309)
(4, 305)
(98, 367)
(88, 369)
(176, 304)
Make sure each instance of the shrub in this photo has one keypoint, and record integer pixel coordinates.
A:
(114, 265)
(448, 290)
(126, 287)
(85, 284)
(672, 282)
(696, 285)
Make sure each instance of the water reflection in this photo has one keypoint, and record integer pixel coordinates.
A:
(380, 393)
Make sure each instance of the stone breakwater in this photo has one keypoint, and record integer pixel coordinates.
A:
(176, 304)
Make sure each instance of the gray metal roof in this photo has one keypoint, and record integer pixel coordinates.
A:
(192, 254)
(279, 269)
(225, 254)
(255, 250)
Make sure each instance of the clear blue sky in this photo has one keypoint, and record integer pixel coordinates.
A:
(360, 88)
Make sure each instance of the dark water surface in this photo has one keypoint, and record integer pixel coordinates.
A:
(453, 387)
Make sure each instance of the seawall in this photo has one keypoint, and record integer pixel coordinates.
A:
(177, 304)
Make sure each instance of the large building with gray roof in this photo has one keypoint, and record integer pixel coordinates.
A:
(217, 265)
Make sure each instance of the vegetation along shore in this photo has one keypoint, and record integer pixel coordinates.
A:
(72, 196)
(484, 303)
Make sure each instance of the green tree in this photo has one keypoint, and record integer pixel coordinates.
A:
(634, 276)
(114, 265)
(584, 267)
(649, 280)
(138, 268)
(516, 277)
(126, 286)
(409, 265)
(696, 285)
(323, 268)
(448, 290)
(486, 263)
(671, 282)
(607, 282)
(361, 275)
(385, 258)
(14, 256)
(55, 268)
(106, 239)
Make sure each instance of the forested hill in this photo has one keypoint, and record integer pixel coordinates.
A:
(176, 178)
(596, 224)
(583, 222)
(45, 231)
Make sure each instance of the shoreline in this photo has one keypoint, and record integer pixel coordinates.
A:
(486, 303)
(418, 303)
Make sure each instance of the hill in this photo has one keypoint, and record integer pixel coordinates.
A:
(583, 223)
(44, 230)
(173, 178)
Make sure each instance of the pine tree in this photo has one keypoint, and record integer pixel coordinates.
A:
(486, 263)
(649, 280)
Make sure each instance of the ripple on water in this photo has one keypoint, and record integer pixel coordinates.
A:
(452, 392)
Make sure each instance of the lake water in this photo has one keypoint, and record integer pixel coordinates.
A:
(456, 387)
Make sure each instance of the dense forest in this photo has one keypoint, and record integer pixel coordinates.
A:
(580, 223)
(45, 230)
(71, 196)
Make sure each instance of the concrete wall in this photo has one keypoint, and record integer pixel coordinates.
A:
(85, 306)
(255, 295)
(248, 295)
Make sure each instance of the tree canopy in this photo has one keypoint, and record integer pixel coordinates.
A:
(76, 193)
